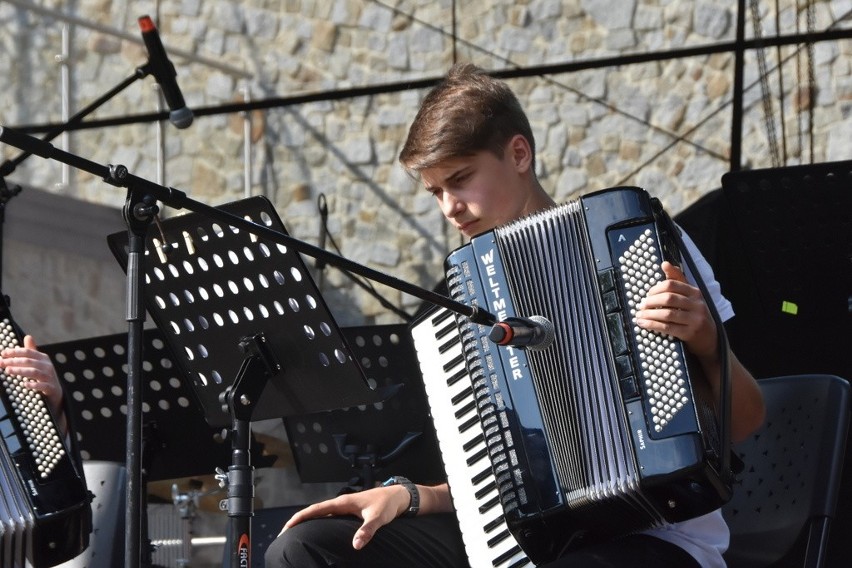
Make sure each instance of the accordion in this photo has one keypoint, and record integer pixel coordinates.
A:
(45, 516)
(597, 434)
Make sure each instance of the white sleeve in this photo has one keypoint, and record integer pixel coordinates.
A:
(723, 306)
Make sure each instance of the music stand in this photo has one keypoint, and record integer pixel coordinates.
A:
(248, 326)
(178, 440)
(357, 443)
(210, 285)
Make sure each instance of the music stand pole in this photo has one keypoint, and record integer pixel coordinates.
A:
(138, 213)
(135, 313)
(241, 398)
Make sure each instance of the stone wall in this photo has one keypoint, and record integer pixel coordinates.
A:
(62, 281)
(663, 125)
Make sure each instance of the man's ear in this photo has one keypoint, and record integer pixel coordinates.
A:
(520, 152)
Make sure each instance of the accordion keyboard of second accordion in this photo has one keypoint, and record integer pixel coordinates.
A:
(602, 432)
(45, 516)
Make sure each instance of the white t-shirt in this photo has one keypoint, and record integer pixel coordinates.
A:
(706, 537)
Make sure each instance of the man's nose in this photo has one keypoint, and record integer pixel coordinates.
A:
(451, 205)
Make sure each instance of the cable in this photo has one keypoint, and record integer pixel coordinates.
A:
(547, 79)
(783, 119)
(363, 283)
(763, 76)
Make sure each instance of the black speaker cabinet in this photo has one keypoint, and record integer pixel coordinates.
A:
(780, 241)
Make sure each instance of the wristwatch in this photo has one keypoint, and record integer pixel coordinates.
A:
(414, 502)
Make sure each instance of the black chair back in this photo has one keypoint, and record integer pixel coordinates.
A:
(793, 466)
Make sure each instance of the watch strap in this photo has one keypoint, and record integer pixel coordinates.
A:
(413, 493)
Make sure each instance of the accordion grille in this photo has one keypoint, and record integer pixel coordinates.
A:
(550, 270)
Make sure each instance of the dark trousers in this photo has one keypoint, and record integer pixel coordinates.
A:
(433, 541)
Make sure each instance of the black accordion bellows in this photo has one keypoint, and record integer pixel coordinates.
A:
(601, 432)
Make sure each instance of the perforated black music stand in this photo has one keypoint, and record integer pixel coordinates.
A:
(178, 440)
(248, 326)
(356, 444)
(210, 285)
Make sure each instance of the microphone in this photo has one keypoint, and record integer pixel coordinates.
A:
(164, 72)
(534, 333)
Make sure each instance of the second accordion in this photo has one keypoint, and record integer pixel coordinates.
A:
(601, 431)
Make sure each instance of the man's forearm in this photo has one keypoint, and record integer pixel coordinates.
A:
(435, 499)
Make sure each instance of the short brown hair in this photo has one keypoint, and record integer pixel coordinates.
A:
(469, 111)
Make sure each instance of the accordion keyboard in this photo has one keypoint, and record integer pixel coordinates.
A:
(40, 434)
(488, 541)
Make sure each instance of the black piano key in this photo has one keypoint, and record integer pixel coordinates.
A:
(482, 475)
(476, 440)
(490, 504)
(457, 376)
(498, 538)
(450, 339)
(495, 523)
(462, 396)
(440, 317)
(477, 457)
(467, 408)
(468, 424)
(486, 489)
(453, 363)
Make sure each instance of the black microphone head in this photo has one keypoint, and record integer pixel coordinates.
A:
(181, 117)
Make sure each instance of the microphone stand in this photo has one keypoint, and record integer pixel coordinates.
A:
(139, 209)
